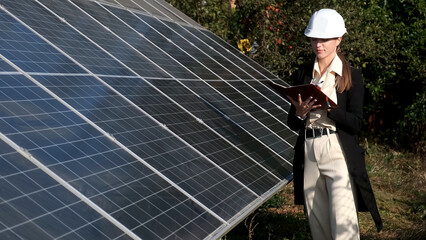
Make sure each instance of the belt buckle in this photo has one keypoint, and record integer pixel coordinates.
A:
(318, 132)
(321, 130)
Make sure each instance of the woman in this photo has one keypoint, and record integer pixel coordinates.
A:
(330, 178)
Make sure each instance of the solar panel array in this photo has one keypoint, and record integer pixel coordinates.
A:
(127, 120)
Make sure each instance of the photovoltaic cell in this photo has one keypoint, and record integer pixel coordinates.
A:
(139, 23)
(146, 7)
(243, 85)
(272, 96)
(4, 67)
(170, 12)
(101, 36)
(259, 99)
(222, 123)
(200, 49)
(63, 36)
(224, 88)
(255, 127)
(216, 70)
(32, 204)
(195, 133)
(211, 65)
(135, 38)
(151, 142)
(230, 55)
(131, 139)
(129, 4)
(98, 168)
(126, 119)
(23, 47)
(275, 114)
(252, 108)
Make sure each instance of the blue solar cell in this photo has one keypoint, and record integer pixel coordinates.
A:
(130, 4)
(163, 42)
(212, 69)
(259, 99)
(28, 51)
(94, 165)
(209, 143)
(5, 67)
(228, 53)
(220, 122)
(201, 39)
(34, 205)
(144, 124)
(162, 9)
(274, 139)
(274, 124)
(206, 50)
(261, 96)
(272, 96)
(136, 38)
(105, 39)
(160, 148)
(78, 46)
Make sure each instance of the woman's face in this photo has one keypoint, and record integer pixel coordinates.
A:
(325, 48)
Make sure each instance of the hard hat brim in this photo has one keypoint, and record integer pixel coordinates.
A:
(313, 34)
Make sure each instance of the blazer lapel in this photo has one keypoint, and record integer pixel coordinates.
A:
(308, 75)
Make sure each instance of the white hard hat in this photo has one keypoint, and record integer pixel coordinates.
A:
(325, 23)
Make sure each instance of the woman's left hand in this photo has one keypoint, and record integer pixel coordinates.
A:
(304, 107)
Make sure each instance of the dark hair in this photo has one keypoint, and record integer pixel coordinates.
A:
(343, 82)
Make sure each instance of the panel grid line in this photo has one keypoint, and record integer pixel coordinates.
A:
(272, 92)
(192, 24)
(236, 89)
(120, 145)
(184, 20)
(42, 215)
(223, 66)
(160, 124)
(209, 85)
(148, 83)
(177, 136)
(67, 185)
(125, 119)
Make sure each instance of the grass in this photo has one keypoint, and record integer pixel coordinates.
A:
(398, 180)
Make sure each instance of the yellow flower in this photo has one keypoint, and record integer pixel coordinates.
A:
(244, 45)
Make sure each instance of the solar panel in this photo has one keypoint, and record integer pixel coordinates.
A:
(4, 67)
(33, 204)
(128, 120)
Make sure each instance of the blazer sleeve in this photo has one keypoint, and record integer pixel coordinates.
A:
(293, 122)
(350, 117)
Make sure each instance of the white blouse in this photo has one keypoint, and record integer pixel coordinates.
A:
(327, 82)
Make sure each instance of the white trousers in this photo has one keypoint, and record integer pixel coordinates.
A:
(329, 198)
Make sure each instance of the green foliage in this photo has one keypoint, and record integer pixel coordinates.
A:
(211, 14)
(414, 123)
(268, 23)
(385, 40)
(275, 201)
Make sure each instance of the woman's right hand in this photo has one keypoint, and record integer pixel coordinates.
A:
(304, 107)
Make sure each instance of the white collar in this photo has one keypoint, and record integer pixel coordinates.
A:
(336, 66)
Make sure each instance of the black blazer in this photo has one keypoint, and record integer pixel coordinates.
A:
(348, 118)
